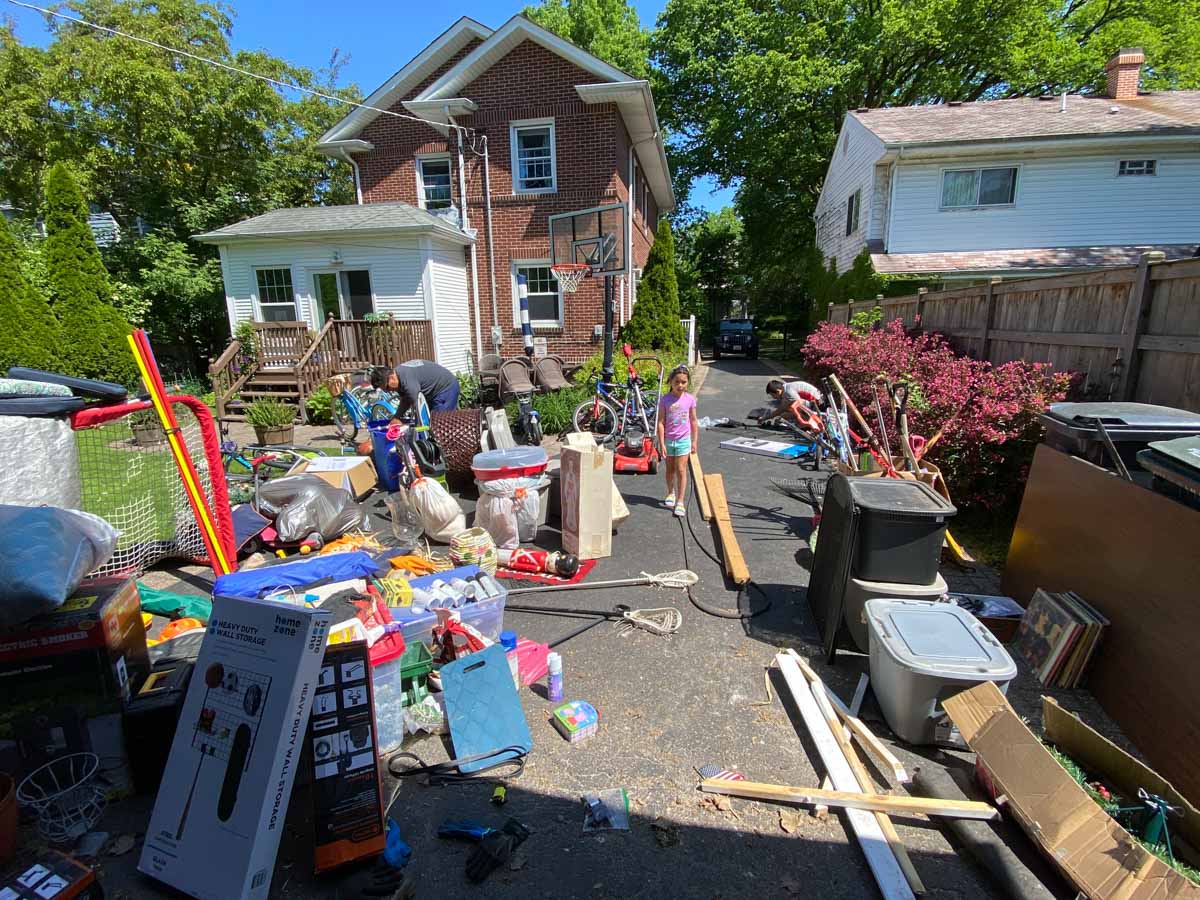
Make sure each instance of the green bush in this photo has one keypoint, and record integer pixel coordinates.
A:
(269, 414)
(319, 407)
(655, 321)
(93, 334)
(469, 389)
(29, 336)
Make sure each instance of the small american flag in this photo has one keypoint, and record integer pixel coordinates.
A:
(721, 774)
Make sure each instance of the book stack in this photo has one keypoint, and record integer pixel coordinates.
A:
(1058, 637)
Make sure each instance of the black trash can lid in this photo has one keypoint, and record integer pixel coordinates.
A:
(1121, 420)
(898, 495)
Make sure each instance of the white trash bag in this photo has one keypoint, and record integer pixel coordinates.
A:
(508, 510)
(441, 516)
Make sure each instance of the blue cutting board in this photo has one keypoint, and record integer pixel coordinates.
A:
(483, 708)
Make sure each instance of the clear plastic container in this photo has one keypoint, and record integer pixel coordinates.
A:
(406, 521)
(486, 616)
(517, 462)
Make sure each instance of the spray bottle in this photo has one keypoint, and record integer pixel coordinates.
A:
(554, 681)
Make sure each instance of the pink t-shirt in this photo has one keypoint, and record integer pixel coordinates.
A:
(674, 413)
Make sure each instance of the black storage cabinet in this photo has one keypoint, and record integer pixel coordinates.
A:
(1071, 428)
(903, 524)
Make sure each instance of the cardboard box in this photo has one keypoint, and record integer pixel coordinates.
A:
(585, 440)
(64, 676)
(220, 810)
(48, 875)
(586, 485)
(347, 795)
(353, 474)
(1097, 855)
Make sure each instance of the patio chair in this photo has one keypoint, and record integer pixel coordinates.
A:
(489, 374)
(548, 372)
(515, 378)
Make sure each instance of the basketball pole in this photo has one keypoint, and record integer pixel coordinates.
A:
(606, 368)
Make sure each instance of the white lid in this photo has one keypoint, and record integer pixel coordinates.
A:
(935, 639)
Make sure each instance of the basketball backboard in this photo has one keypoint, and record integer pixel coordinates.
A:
(593, 237)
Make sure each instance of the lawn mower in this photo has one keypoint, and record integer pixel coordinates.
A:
(637, 447)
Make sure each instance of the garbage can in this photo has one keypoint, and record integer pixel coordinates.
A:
(901, 530)
(1071, 428)
(924, 652)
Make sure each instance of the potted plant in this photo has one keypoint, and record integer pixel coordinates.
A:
(273, 421)
(147, 430)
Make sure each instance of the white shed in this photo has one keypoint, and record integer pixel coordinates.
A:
(350, 262)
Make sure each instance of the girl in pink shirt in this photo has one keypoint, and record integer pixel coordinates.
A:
(678, 435)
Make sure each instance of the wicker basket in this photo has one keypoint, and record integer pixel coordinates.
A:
(458, 433)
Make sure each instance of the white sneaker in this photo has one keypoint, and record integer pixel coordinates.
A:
(680, 510)
(669, 501)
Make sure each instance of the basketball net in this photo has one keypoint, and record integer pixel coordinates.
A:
(570, 274)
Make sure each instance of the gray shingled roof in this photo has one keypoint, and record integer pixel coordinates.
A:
(1034, 258)
(307, 220)
(1168, 113)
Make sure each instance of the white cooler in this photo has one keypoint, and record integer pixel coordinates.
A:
(923, 652)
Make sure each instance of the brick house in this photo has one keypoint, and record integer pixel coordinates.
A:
(562, 131)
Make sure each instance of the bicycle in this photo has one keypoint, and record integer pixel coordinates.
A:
(599, 415)
(356, 407)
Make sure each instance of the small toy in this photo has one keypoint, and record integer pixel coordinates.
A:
(500, 795)
(576, 720)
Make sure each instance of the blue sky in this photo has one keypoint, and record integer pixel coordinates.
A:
(307, 32)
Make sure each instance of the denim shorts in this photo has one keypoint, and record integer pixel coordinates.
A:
(681, 447)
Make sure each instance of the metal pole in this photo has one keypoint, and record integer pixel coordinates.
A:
(607, 368)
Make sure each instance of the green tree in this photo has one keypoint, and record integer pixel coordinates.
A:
(169, 145)
(710, 267)
(654, 324)
(30, 333)
(609, 29)
(92, 343)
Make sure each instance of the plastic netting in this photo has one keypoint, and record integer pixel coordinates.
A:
(128, 477)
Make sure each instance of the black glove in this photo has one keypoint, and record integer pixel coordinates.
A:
(494, 850)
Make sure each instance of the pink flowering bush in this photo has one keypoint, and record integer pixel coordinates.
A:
(985, 451)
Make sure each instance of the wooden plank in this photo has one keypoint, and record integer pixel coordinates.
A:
(883, 863)
(735, 563)
(1120, 275)
(1169, 343)
(860, 693)
(884, 803)
(701, 488)
(1135, 323)
(989, 314)
(1054, 338)
(855, 725)
(1180, 268)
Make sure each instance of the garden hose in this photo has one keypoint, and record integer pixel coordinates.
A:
(743, 595)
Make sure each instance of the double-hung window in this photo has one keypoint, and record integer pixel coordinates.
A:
(1137, 167)
(433, 182)
(853, 205)
(969, 188)
(276, 299)
(545, 301)
(532, 146)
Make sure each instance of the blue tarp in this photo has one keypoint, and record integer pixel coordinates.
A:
(320, 570)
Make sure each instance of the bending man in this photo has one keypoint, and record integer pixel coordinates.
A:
(798, 401)
(421, 376)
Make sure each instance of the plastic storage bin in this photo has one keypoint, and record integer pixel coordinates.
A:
(922, 653)
(902, 524)
(517, 462)
(1070, 427)
(398, 681)
(859, 591)
(486, 616)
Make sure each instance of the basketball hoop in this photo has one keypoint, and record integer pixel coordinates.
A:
(570, 274)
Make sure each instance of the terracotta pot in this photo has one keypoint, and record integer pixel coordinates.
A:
(8, 818)
(279, 434)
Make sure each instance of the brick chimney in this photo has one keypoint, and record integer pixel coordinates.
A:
(1122, 73)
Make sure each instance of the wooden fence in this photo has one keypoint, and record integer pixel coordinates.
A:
(1133, 333)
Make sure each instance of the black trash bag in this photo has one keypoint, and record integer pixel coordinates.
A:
(302, 504)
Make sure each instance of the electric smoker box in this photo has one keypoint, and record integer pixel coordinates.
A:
(89, 654)
(220, 810)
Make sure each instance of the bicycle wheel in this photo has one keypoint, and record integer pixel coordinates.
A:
(533, 432)
(381, 411)
(345, 423)
(598, 417)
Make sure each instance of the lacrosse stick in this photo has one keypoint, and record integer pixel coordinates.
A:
(679, 579)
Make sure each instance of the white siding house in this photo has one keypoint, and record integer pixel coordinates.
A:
(1016, 187)
(309, 264)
